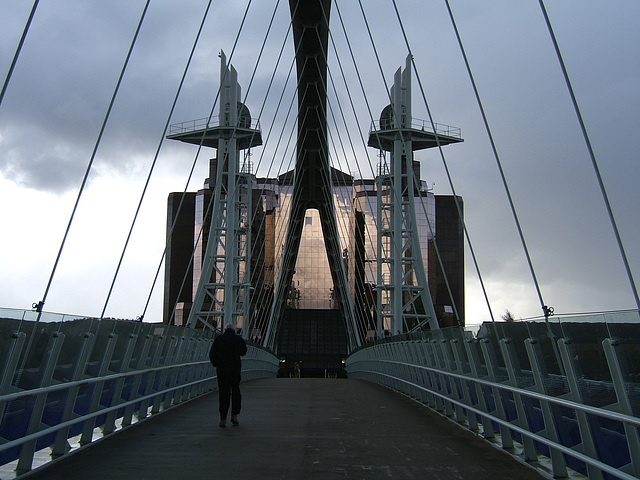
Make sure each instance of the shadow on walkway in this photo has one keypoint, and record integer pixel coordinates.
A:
(294, 429)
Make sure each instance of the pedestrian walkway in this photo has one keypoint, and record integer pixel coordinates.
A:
(295, 429)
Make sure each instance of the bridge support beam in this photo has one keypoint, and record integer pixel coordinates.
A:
(312, 182)
(222, 295)
(404, 301)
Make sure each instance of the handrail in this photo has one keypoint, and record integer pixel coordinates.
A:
(566, 450)
(422, 125)
(53, 429)
(609, 414)
(89, 381)
(57, 403)
(481, 386)
(207, 123)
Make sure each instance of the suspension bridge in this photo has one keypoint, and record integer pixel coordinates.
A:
(371, 294)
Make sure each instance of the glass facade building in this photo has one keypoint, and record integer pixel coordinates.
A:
(357, 212)
(312, 285)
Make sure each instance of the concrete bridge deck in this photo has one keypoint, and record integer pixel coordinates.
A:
(294, 429)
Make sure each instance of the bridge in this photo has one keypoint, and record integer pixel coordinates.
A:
(298, 428)
(557, 395)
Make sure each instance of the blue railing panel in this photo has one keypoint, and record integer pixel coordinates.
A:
(84, 378)
(565, 391)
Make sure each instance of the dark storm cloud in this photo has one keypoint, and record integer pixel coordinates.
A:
(58, 96)
(66, 75)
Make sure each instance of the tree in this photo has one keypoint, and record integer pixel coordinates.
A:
(507, 316)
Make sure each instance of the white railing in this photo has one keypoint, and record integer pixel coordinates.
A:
(422, 125)
(207, 123)
(570, 410)
(70, 383)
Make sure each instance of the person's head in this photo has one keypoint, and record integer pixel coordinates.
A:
(230, 326)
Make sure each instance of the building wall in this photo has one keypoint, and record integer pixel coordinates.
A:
(312, 285)
(356, 216)
(450, 241)
(200, 234)
(179, 247)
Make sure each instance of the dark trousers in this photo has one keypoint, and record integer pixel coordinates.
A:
(229, 392)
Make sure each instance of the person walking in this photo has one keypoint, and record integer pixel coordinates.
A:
(225, 355)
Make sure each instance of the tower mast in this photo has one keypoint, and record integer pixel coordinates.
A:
(222, 294)
(403, 291)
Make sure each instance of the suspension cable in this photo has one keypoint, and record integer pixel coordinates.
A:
(449, 178)
(594, 162)
(280, 233)
(249, 250)
(367, 103)
(548, 311)
(155, 158)
(397, 192)
(199, 233)
(368, 202)
(18, 49)
(38, 306)
(259, 322)
(210, 203)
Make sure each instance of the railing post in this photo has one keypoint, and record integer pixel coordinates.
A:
(514, 372)
(184, 372)
(197, 355)
(458, 355)
(110, 421)
(89, 424)
(588, 446)
(618, 369)
(492, 370)
(445, 386)
(155, 361)
(451, 366)
(427, 376)
(25, 461)
(541, 376)
(419, 373)
(474, 362)
(189, 372)
(421, 354)
(127, 418)
(384, 366)
(401, 368)
(410, 369)
(61, 445)
(16, 343)
(436, 384)
(174, 374)
(205, 345)
(391, 368)
(161, 400)
(15, 348)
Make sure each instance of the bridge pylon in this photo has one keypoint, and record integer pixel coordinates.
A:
(223, 292)
(403, 298)
(312, 180)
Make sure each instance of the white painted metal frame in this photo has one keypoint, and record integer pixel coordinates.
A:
(224, 285)
(164, 371)
(445, 375)
(402, 290)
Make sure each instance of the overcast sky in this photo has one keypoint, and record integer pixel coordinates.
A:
(59, 92)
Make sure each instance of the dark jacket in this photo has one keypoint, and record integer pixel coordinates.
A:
(226, 351)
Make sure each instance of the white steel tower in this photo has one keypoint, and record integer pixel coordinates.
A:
(403, 297)
(223, 291)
